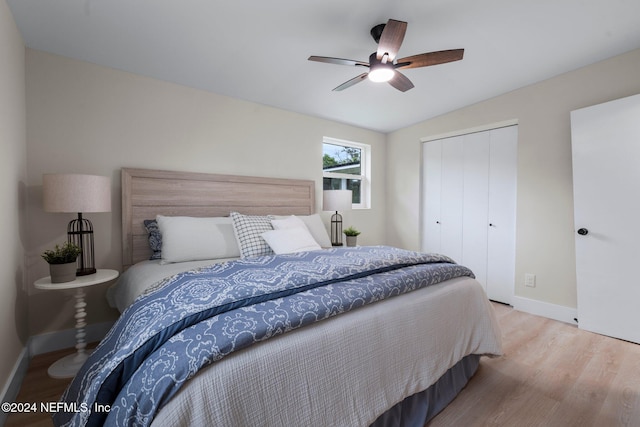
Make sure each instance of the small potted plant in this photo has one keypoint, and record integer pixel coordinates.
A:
(62, 262)
(352, 236)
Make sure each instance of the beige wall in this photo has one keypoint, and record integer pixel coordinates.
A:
(89, 119)
(13, 303)
(545, 228)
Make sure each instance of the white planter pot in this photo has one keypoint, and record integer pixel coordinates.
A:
(61, 273)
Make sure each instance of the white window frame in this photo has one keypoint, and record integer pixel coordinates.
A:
(365, 169)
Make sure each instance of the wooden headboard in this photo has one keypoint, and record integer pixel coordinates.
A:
(147, 193)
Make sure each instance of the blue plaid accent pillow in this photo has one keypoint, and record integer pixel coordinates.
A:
(248, 230)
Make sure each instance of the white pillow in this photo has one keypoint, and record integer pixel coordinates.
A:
(191, 239)
(288, 222)
(312, 222)
(316, 228)
(289, 240)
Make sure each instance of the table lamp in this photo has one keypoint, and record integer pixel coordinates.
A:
(78, 193)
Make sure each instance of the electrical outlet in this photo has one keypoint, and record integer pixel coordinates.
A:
(530, 280)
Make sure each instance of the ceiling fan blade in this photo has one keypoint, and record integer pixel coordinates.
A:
(338, 61)
(351, 82)
(401, 82)
(391, 39)
(431, 58)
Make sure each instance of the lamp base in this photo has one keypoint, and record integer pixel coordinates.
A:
(336, 229)
(80, 232)
(85, 271)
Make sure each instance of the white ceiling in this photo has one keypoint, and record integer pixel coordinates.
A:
(257, 50)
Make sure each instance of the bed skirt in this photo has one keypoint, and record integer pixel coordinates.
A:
(418, 409)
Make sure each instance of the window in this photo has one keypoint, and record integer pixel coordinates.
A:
(346, 166)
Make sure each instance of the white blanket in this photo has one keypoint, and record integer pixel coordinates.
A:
(344, 371)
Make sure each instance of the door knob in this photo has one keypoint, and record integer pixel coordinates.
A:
(583, 231)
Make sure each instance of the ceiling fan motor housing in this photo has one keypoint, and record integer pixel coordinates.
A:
(376, 32)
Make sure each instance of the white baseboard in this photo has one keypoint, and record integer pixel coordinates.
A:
(12, 386)
(51, 341)
(545, 309)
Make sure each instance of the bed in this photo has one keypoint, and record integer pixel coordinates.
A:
(324, 336)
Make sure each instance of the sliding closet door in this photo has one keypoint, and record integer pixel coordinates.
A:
(475, 228)
(469, 203)
(501, 241)
(431, 184)
(451, 200)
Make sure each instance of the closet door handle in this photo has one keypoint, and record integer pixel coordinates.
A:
(491, 224)
(583, 231)
(437, 222)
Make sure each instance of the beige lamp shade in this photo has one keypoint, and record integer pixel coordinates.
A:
(76, 193)
(336, 200)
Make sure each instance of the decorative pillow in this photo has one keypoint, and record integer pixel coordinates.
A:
(312, 222)
(289, 240)
(317, 229)
(155, 238)
(248, 230)
(288, 222)
(191, 239)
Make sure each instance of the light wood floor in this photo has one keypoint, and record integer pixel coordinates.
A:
(39, 387)
(552, 374)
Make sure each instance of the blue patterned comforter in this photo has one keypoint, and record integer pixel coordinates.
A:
(198, 317)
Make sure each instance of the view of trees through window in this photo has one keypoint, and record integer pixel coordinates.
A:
(338, 156)
(338, 162)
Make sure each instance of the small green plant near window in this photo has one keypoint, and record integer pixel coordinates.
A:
(64, 254)
(351, 231)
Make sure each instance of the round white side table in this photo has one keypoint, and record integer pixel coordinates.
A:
(69, 365)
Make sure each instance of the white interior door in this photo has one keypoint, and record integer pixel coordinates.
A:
(606, 185)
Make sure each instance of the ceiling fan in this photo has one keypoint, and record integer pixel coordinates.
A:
(383, 66)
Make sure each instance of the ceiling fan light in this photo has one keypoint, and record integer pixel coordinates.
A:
(381, 74)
